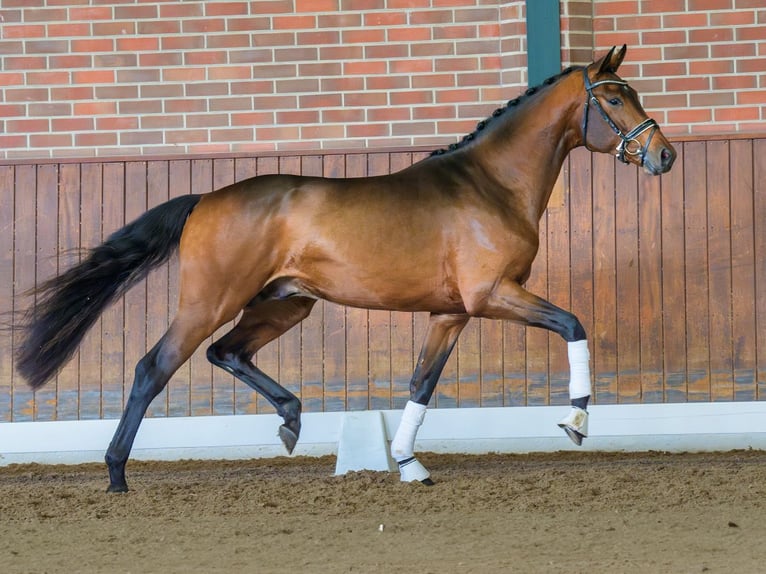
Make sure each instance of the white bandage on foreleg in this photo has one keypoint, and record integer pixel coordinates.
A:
(579, 367)
(403, 445)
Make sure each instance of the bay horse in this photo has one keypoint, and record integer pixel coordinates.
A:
(453, 235)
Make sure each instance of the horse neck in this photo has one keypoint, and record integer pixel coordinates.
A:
(525, 151)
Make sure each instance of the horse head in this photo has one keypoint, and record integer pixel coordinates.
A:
(615, 120)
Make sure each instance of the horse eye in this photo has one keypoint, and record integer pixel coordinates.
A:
(615, 102)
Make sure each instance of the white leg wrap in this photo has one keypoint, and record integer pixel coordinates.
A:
(403, 445)
(579, 367)
(410, 469)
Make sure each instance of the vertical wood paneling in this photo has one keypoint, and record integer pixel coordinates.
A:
(7, 209)
(743, 267)
(158, 306)
(69, 185)
(719, 271)
(47, 258)
(178, 392)
(604, 348)
(664, 274)
(696, 279)
(673, 282)
(113, 318)
(24, 257)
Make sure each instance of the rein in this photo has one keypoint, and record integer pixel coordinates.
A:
(629, 144)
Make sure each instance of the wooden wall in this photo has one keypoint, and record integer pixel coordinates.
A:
(665, 273)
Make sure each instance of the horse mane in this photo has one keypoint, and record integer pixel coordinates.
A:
(509, 107)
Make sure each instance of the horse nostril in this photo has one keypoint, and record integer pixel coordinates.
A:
(667, 157)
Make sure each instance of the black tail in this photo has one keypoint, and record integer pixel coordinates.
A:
(68, 305)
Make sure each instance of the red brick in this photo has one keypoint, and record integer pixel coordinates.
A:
(294, 22)
(70, 93)
(323, 131)
(390, 114)
(252, 118)
(93, 77)
(736, 18)
(140, 44)
(385, 19)
(138, 12)
(109, 29)
(163, 121)
(49, 109)
(26, 95)
(409, 34)
(339, 20)
(364, 36)
(95, 139)
(410, 98)
(707, 35)
(368, 130)
(10, 110)
(230, 104)
(344, 115)
(205, 26)
(364, 68)
(662, 6)
(94, 108)
(27, 125)
(50, 140)
(26, 62)
(297, 85)
(182, 10)
(79, 124)
(90, 13)
(92, 45)
(185, 74)
(141, 138)
(42, 78)
(183, 42)
(271, 7)
(229, 73)
(225, 8)
(316, 5)
(365, 99)
(320, 101)
(298, 117)
(709, 5)
(24, 31)
(228, 41)
(387, 82)
(117, 123)
(248, 24)
(736, 114)
(206, 120)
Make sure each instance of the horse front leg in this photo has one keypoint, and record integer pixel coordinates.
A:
(440, 339)
(510, 301)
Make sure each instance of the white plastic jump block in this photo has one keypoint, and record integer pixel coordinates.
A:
(363, 444)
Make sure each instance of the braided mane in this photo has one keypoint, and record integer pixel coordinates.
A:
(510, 107)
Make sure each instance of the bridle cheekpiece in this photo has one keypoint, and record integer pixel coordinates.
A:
(629, 144)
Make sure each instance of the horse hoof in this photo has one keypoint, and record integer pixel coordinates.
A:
(411, 470)
(289, 438)
(119, 488)
(574, 435)
(575, 424)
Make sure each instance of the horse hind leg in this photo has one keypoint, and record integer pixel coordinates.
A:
(262, 322)
(152, 373)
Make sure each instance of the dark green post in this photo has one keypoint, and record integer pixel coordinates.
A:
(543, 40)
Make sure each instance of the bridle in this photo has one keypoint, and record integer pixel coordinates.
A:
(629, 144)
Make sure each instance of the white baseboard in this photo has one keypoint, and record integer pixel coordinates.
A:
(666, 427)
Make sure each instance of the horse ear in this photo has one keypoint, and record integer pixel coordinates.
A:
(612, 61)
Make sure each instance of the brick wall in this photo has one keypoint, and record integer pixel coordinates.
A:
(702, 62)
(134, 77)
(167, 77)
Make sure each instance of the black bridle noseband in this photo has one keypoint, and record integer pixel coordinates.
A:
(629, 144)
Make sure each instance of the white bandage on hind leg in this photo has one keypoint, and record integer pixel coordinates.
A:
(403, 445)
(579, 366)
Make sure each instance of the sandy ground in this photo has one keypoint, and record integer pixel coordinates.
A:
(566, 512)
